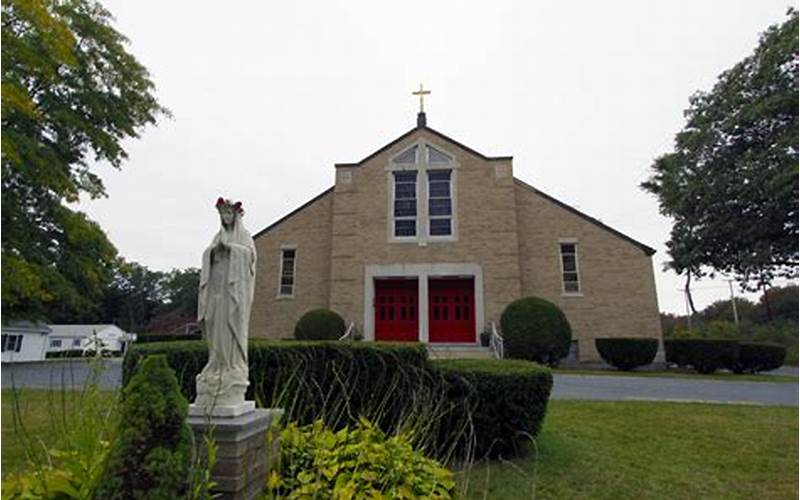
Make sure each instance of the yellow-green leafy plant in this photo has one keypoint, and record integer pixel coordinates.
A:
(357, 462)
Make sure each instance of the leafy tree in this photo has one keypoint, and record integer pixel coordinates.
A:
(731, 183)
(779, 304)
(133, 297)
(71, 93)
(179, 308)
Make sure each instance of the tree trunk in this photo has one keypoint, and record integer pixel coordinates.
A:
(766, 302)
(692, 310)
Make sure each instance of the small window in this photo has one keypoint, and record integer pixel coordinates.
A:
(440, 203)
(76, 342)
(569, 268)
(405, 204)
(55, 343)
(286, 287)
(407, 157)
(436, 156)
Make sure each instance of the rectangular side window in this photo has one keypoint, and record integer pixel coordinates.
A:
(440, 203)
(405, 204)
(55, 343)
(5, 341)
(569, 268)
(19, 343)
(286, 285)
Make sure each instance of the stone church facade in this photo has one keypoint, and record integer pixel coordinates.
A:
(428, 240)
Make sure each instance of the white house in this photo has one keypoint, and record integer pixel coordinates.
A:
(24, 341)
(78, 337)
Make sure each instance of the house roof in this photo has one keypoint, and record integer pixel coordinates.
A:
(80, 330)
(25, 327)
(646, 249)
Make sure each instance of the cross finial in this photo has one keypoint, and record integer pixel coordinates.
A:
(421, 93)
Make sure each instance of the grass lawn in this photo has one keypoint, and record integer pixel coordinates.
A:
(586, 450)
(680, 373)
(42, 412)
(652, 450)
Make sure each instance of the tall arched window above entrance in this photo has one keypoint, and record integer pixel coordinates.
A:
(422, 205)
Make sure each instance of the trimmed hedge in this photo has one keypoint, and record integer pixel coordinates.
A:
(504, 400)
(453, 408)
(536, 330)
(79, 353)
(158, 337)
(757, 357)
(319, 324)
(627, 353)
(705, 355)
(336, 381)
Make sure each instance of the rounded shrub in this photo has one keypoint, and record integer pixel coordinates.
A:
(704, 355)
(757, 357)
(627, 353)
(319, 324)
(536, 330)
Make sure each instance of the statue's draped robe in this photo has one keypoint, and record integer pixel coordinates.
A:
(227, 279)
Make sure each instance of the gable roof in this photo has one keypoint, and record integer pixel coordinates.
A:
(296, 210)
(431, 131)
(646, 249)
(80, 330)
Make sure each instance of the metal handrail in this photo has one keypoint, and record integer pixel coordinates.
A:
(496, 342)
(348, 332)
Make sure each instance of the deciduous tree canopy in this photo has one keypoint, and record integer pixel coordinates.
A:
(71, 93)
(731, 184)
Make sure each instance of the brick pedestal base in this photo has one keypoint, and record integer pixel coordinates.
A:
(247, 447)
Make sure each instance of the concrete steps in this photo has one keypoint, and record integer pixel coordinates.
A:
(453, 351)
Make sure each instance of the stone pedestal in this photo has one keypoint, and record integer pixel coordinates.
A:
(247, 447)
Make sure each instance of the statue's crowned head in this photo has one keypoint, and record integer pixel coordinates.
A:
(228, 210)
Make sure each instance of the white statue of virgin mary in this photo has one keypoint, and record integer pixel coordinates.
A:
(227, 279)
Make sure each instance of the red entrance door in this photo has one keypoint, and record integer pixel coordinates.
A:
(396, 310)
(451, 309)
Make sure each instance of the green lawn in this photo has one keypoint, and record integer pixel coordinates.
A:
(680, 373)
(652, 450)
(586, 450)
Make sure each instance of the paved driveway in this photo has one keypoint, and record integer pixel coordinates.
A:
(68, 373)
(73, 373)
(621, 388)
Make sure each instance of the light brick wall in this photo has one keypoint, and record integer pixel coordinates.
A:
(619, 293)
(486, 219)
(310, 231)
(508, 229)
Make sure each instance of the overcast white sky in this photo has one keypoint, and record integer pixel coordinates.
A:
(267, 96)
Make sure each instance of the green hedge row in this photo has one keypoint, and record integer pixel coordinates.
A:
(757, 357)
(452, 408)
(78, 353)
(710, 355)
(504, 401)
(627, 353)
(159, 337)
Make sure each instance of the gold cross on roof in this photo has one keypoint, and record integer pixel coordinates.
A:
(421, 93)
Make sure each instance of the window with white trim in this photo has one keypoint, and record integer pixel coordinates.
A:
(11, 343)
(76, 342)
(405, 204)
(440, 203)
(569, 268)
(286, 284)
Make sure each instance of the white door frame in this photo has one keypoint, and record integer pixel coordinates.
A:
(422, 272)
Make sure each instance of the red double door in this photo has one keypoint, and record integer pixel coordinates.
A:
(451, 309)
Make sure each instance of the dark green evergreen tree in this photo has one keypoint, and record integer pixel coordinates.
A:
(152, 456)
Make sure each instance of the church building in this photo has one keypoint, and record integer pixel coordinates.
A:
(429, 240)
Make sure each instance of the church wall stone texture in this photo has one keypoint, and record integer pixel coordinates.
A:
(508, 230)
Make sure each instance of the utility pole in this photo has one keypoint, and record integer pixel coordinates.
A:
(733, 303)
